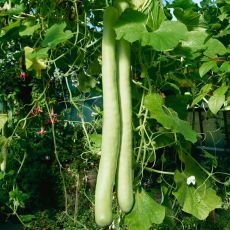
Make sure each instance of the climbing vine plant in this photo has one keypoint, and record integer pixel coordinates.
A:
(52, 112)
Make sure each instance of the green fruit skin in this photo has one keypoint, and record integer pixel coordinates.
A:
(111, 123)
(125, 172)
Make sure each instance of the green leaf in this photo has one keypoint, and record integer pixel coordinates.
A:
(206, 66)
(145, 212)
(16, 10)
(27, 218)
(131, 25)
(39, 54)
(155, 98)
(168, 118)
(203, 92)
(96, 139)
(137, 4)
(217, 100)
(34, 60)
(214, 47)
(29, 28)
(195, 40)
(11, 173)
(198, 200)
(184, 4)
(188, 17)
(166, 37)
(156, 16)
(2, 175)
(225, 67)
(86, 83)
(56, 35)
(3, 120)
(12, 25)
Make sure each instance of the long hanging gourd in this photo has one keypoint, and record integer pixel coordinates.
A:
(125, 172)
(111, 123)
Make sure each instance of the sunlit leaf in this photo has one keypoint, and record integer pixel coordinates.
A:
(214, 47)
(12, 25)
(157, 16)
(217, 100)
(29, 28)
(96, 139)
(56, 35)
(166, 37)
(3, 119)
(137, 4)
(206, 66)
(131, 25)
(34, 60)
(145, 212)
(16, 10)
(39, 54)
(195, 40)
(225, 67)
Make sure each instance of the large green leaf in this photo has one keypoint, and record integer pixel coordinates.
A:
(217, 100)
(214, 47)
(131, 25)
(166, 37)
(157, 16)
(145, 212)
(195, 40)
(168, 118)
(198, 200)
(56, 35)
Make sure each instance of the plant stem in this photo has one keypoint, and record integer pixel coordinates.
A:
(159, 171)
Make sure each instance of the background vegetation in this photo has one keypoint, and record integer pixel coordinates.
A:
(51, 113)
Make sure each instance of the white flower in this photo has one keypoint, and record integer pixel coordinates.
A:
(191, 180)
